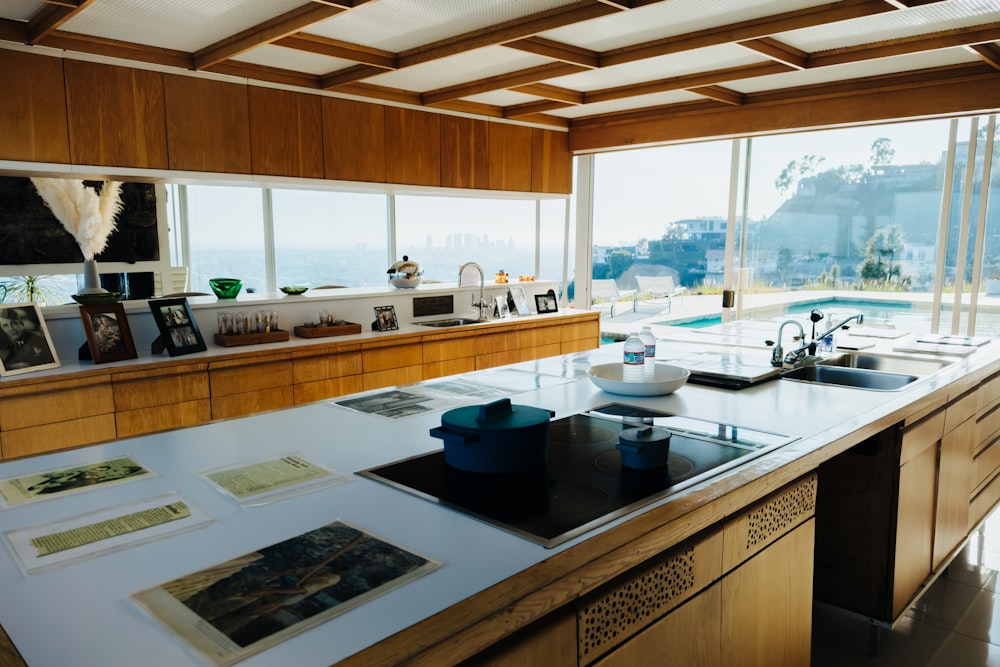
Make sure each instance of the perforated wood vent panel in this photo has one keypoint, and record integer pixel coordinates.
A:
(769, 520)
(616, 615)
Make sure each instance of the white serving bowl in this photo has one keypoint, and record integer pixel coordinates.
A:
(667, 380)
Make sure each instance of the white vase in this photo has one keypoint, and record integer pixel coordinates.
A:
(91, 279)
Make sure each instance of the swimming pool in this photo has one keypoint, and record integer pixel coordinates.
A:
(874, 311)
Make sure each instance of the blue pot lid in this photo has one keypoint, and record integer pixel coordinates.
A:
(496, 416)
(644, 435)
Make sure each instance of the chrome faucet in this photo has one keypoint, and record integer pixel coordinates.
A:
(481, 303)
(778, 358)
(859, 317)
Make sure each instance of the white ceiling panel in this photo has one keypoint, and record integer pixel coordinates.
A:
(676, 17)
(186, 25)
(627, 104)
(407, 24)
(894, 25)
(652, 69)
(855, 70)
(461, 68)
(293, 59)
(18, 10)
(502, 98)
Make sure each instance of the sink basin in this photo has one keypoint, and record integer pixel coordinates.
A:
(851, 377)
(889, 364)
(452, 322)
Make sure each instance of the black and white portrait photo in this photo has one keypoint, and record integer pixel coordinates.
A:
(24, 341)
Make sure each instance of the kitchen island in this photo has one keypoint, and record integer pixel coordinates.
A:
(497, 594)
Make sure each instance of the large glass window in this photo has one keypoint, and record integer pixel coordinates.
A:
(442, 233)
(226, 236)
(329, 238)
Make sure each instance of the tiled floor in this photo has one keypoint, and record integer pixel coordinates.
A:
(955, 624)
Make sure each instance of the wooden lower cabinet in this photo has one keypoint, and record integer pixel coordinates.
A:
(318, 374)
(248, 385)
(148, 401)
(448, 356)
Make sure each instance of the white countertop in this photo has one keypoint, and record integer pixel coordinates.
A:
(80, 614)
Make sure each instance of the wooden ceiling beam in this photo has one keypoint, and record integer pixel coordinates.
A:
(686, 82)
(380, 93)
(101, 46)
(66, 3)
(990, 53)
(324, 46)
(348, 75)
(779, 51)
(265, 73)
(13, 31)
(519, 78)
(48, 20)
(746, 30)
(264, 33)
(720, 94)
(532, 108)
(502, 33)
(554, 93)
(906, 45)
(557, 51)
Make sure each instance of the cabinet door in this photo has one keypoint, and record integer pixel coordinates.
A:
(510, 157)
(914, 527)
(353, 140)
(767, 604)
(159, 400)
(253, 384)
(208, 124)
(954, 485)
(551, 162)
(412, 146)
(286, 133)
(33, 108)
(115, 115)
(464, 153)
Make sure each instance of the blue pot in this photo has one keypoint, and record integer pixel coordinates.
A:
(644, 447)
(495, 438)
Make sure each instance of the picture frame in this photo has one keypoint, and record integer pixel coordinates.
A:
(179, 332)
(520, 300)
(109, 337)
(546, 303)
(502, 309)
(385, 318)
(25, 343)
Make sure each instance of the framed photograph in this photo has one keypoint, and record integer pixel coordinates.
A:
(546, 303)
(25, 344)
(502, 310)
(178, 329)
(385, 318)
(108, 335)
(520, 300)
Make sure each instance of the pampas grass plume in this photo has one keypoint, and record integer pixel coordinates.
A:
(89, 217)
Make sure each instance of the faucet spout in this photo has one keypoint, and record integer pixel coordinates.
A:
(481, 303)
(860, 317)
(778, 356)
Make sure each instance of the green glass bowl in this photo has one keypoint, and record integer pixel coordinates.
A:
(225, 288)
(294, 289)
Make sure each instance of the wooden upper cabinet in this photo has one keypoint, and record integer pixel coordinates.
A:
(33, 108)
(353, 140)
(510, 157)
(464, 153)
(208, 125)
(551, 162)
(412, 146)
(115, 115)
(286, 133)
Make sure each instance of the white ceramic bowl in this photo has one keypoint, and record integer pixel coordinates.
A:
(667, 380)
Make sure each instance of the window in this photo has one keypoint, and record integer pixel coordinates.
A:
(329, 238)
(226, 236)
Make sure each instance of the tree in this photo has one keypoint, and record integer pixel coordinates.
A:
(795, 171)
(879, 267)
(618, 262)
(882, 152)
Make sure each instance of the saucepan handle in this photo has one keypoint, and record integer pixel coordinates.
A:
(453, 437)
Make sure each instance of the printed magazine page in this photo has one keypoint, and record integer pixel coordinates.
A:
(57, 483)
(242, 606)
(261, 482)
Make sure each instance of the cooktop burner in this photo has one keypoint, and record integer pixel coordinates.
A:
(584, 483)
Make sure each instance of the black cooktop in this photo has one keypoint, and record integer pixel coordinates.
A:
(584, 484)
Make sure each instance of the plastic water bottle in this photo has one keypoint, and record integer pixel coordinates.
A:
(649, 365)
(635, 358)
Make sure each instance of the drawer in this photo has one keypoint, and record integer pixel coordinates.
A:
(159, 391)
(986, 462)
(922, 435)
(49, 407)
(987, 426)
(313, 369)
(59, 435)
(961, 410)
(397, 356)
(163, 417)
(250, 377)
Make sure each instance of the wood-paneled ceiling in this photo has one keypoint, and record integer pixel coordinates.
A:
(561, 63)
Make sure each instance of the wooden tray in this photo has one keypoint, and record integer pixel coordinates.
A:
(233, 340)
(305, 331)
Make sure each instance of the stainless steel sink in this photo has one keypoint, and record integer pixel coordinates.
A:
(452, 322)
(886, 363)
(851, 377)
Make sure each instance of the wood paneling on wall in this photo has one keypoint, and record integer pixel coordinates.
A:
(412, 146)
(353, 140)
(33, 108)
(286, 133)
(208, 125)
(115, 115)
